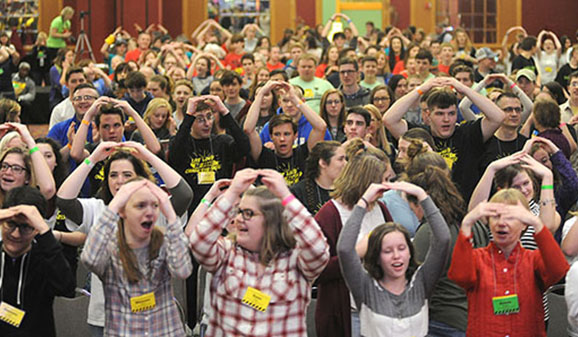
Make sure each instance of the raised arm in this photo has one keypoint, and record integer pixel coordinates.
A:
(311, 245)
(393, 117)
(43, 174)
(249, 127)
(354, 30)
(493, 115)
(151, 141)
(216, 190)
(77, 152)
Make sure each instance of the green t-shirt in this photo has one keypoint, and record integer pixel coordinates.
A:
(369, 86)
(313, 90)
(61, 27)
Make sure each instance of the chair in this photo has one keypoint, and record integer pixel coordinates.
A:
(558, 324)
(70, 315)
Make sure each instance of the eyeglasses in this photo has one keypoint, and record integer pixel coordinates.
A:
(247, 213)
(512, 109)
(333, 102)
(23, 228)
(381, 99)
(15, 168)
(207, 118)
(347, 72)
(83, 98)
(574, 84)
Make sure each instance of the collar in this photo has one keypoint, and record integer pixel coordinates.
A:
(360, 93)
(499, 252)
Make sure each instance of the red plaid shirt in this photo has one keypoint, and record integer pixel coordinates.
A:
(287, 279)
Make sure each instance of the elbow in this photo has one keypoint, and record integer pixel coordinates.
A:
(48, 191)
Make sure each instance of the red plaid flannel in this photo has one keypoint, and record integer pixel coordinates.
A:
(287, 279)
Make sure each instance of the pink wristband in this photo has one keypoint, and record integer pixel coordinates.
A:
(513, 85)
(287, 199)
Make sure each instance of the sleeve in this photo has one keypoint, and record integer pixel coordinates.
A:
(96, 255)
(567, 192)
(421, 242)
(58, 273)
(71, 208)
(350, 262)
(181, 144)
(181, 197)
(242, 146)
(311, 244)
(327, 221)
(551, 265)
(463, 268)
(178, 257)
(437, 255)
(571, 295)
(208, 247)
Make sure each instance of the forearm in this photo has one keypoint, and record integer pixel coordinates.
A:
(463, 268)
(75, 239)
(393, 118)
(181, 143)
(182, 196)
(440, 244)
(241, 140)
(253, 115)
(178, 257)
(59, 275)
(151, 141)
(527, 103)
(77, 151)
(548, 214)
(71, 187)
(554, 265)
(483, 188)
(95, 254)
(314, 251)
(348, 258)
(43, 174)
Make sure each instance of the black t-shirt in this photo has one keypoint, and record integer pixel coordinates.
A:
(292, 168)
(564, 74)
(520, 62)
(495, 149)
(204, 161)
(311, 195)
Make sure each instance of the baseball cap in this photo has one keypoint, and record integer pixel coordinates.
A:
(484, 53)
(527, 73)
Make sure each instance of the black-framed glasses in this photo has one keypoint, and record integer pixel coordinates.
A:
(381, 99)
(202, 119)
(84, 98)
(247, 213)
(22, 227)
(15, 168)
(347, 72)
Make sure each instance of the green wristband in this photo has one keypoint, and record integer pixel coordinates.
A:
(34, 149)
(547, 187)
(206, 202)
(89, 163)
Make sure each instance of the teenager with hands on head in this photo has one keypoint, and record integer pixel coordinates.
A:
(119, 168)
(200, 156)
(283, 131)
(135, 260)
(29, 245)
(390, 288)
(262, 279)
(461, 145)
(504, 281)
(21, 166)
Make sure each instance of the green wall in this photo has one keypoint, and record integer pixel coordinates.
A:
(359, 17)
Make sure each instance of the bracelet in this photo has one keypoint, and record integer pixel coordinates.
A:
(365, 201)
(88, 163)
(85, 122)
(298, 106)
(512, 86)
(547, 202)
(547, 187)
(349, 21)
(287, 199)
(69, 146)
(34, 149)
(419, 92)
(206, 202)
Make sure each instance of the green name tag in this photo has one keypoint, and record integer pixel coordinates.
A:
(505, 305)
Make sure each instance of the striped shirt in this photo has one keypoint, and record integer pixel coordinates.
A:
(286, 279)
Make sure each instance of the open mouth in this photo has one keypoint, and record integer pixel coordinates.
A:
(501, 233)
(7, 180)
(147, 225)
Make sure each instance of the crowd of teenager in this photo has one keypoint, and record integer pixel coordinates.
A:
(414, 184)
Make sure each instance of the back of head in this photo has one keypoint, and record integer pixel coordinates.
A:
(26, 195)
(324, 150)
(420, 134)
(135, 80)
(528, 43)
(547, 114)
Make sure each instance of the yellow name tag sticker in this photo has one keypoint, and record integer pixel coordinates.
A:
(256, 299)
(309, 93)
(142, 302)
(204, 178)
(11, 315)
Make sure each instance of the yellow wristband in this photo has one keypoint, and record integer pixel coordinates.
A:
(110, 39)
(85, 122)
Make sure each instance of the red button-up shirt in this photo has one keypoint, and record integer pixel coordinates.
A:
(525, 273)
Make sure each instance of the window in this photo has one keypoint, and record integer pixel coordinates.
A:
(479, 19)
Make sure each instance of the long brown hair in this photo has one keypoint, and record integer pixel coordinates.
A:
(27, 163)
(126, 254)
(278, 237)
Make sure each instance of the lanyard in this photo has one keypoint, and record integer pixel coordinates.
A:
(515, 271)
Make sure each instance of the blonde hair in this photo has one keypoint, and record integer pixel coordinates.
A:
(381, 136)
(510, 196)
(153, 106)
(67, 11)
